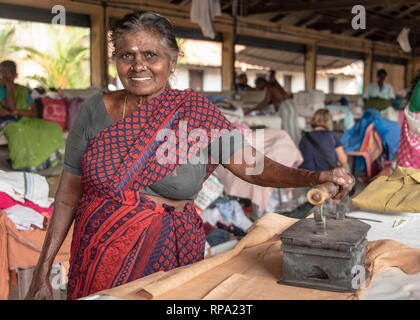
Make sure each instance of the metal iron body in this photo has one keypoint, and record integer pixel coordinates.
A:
(322, 253)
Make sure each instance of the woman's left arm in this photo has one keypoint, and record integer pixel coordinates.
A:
(263, 171)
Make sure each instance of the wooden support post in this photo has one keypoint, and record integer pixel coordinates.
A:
(228, 63)
(310, 66)
(367, 70)
(97, 45)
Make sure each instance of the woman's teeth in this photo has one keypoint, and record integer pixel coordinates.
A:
(141, 79)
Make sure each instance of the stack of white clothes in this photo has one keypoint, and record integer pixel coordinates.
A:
(29, 186)
(307, 102)
(24, 218)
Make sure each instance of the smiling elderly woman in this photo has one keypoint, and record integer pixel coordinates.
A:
(131, 203)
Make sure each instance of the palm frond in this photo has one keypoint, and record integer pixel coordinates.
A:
(63, 64)
(5, 35)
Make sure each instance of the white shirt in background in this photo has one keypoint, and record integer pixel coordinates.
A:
(373, 91)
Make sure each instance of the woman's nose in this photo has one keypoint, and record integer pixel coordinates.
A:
(139, 65)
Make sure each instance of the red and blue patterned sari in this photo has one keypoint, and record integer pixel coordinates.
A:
(119, 234)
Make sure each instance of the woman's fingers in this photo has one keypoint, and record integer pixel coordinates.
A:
(39, 290)
(344, 180)
(340, 177)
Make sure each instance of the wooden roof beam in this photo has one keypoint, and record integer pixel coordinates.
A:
(375, 22)
(293, 6)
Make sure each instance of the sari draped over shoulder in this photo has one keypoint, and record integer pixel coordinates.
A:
(119, 234)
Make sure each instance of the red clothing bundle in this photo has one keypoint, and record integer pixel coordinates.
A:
(6, 202)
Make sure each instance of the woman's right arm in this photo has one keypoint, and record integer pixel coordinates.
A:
(264, 103)
(66, 201)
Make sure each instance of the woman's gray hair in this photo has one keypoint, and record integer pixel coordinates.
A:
(145, 20)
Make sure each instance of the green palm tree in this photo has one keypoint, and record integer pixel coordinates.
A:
(63, 63)
(5, 35)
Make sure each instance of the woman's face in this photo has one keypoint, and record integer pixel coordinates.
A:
(6, 76)
(143, 63)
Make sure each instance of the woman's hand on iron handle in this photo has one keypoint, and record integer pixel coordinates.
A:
(340, 177)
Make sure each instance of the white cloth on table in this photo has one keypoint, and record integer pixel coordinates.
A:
(23, 217)
(399, 226)
(392, 284)
(25, 185)
(203, 13)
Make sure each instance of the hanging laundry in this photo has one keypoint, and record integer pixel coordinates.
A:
(203, 13)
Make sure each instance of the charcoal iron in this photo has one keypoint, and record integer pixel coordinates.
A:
(323, 252)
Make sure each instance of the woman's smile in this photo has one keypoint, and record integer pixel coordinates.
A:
(141, 79)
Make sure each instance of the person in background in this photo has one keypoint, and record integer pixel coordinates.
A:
(379, 90)
(272, 79)
(274, 94)
(15, 100)
(242, 83)
(326, 139)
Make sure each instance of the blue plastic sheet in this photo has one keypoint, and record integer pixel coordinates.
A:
(388, 130)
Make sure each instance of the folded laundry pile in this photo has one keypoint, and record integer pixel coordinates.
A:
(224, 220)
(400, 192)
(24, 198)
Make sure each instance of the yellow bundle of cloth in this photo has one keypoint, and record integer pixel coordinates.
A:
(400, 192)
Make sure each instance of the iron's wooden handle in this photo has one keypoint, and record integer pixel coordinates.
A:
(321, 193)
